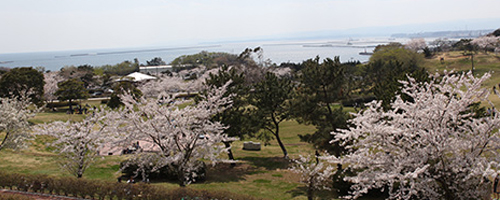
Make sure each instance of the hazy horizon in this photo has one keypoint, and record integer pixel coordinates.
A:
(54, 25)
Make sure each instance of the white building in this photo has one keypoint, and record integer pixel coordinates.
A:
(155, 69)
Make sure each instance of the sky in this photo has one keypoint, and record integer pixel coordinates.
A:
(54, 25)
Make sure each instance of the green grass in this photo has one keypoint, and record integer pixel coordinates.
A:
(262, 173)
(482, 63)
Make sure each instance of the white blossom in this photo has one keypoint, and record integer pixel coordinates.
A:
(14, 115)
(486, 42)
(79, 142)
(50, 87)
(315, 174)
(416, 44)
(431, 147)
(183, 136)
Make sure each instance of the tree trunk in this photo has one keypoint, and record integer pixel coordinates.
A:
(180, 176)
(70, 107)
(230, 152)
(285, 153)
(310, 189)
(310, 194)
(472, 61)
(6, 137)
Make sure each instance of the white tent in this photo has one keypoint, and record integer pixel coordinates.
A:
(136, 77)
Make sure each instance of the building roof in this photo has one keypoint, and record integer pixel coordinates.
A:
(136, 77)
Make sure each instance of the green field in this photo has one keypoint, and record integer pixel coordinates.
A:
(259, 173)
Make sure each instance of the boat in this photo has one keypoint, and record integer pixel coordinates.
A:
(365, 53)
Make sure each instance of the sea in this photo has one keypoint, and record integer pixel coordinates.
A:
(276, 51)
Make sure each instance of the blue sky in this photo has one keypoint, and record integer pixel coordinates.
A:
(49, 25)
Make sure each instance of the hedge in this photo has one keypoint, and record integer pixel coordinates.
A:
(97, 189)
(6, 196)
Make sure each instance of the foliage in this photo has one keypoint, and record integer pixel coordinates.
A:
(182, 136)
(157, 61)
(271, 99)
(237, 117)
(432, 147)
(23, 81)
(92, 189)
(120, 69)
(208, 59)
(388, 65)
(14, 115)
(79, 142)
(83, 73)
(322, 85)
(71, 89)
(121, 88)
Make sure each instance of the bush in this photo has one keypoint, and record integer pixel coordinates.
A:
(168, 172)
(104, 190)
(5, 196)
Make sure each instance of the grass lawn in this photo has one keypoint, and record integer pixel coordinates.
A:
(259, 173)
(482, 63)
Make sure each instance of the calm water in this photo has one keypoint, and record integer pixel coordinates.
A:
(277, 52)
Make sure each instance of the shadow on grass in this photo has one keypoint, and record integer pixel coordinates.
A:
(321, 194)
(224, 172)
(269, 163)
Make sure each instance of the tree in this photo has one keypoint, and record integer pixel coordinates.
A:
(271, 99)
(184, 137)
(322, 85)
(23, 81)
(432, 147)
(79, 142)
(469, 49)
(442, 44)
(121, 88)
(14, 115)
(416, 44)
(315, 174)
(487, 43)
(157, 61)
(237, 117)
(50, 87)
(71, 89)
(389, 65)
(163, 83)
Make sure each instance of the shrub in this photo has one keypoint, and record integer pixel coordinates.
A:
(5, 196)
(104, 190)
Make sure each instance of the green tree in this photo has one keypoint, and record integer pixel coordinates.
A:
(23, 81)
(271, 99)
(390, 64)
(238, 118)
(71, 89)
(121, 88)
(157, 61)
(322, 86)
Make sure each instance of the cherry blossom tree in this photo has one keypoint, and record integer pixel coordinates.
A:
(486, 43)
(182, 136)
(315, 174)
(14, 115)
(416, 44)
(164, 83)
(433, 146)
(79, 142)
(50, 87)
